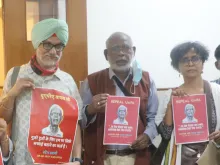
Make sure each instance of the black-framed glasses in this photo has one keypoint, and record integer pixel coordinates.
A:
(195, 60)
(123, 48)
(48, 46)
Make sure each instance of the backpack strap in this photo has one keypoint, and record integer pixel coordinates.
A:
(14, 75)
(11, 125)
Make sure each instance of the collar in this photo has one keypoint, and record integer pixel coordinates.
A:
(112, 73)
(58, 73)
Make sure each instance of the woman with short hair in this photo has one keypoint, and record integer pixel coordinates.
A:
(188, 59)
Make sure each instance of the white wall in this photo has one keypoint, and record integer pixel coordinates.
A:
(156, 26)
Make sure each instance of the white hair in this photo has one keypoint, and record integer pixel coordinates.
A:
(116, 34)
(55, 106)
(189, 106)
(122, 107)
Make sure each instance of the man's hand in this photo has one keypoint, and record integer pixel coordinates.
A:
(3, 129)
(98, 104)
(215, 136)
(141, 142)
(20, 85)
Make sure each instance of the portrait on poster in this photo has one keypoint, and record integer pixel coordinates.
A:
(55, 117)
(121, 120)
(121, 115)
(190, 119)
(189, 111)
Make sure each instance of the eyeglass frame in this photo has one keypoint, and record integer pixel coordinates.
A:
(53, 46)
(121, 48)
(186, 63)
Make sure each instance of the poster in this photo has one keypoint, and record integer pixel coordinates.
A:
(53, 121)
(190, 119)
(121, 120)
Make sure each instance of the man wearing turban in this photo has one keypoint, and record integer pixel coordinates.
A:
(49, 38)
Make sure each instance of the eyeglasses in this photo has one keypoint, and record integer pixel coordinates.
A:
(48, 46)
(123, 48)
(195, 60)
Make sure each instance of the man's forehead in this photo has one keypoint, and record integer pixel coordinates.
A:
(56, 110)
(53, 40)
(119, 39)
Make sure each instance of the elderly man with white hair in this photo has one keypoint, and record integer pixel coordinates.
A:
(122, 112)
(189, 112)
(49, 38)
(124, 77)
(55, 116)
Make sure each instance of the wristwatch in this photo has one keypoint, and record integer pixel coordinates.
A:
(77, 160)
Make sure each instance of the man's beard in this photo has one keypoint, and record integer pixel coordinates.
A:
(48, 63)
(120, 68)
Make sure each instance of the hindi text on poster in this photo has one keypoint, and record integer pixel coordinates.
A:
(53, 120)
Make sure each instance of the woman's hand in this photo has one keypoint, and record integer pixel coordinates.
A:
(215, 136)
(179, 92)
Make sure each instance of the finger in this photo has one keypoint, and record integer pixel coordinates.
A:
(103, 106)
(140, 146)
(32, 85)
(29, 85)
(26, 79)
(135, 146)
(136, 142)
(174, 93)
(104, 95)
(213, 135)
(184, 93)
(100, 103)
(180, 93)
(103, 98)
(143, 141)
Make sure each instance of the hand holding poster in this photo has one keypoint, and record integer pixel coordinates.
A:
(121, 120)
(190, 119)
(53, 120)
